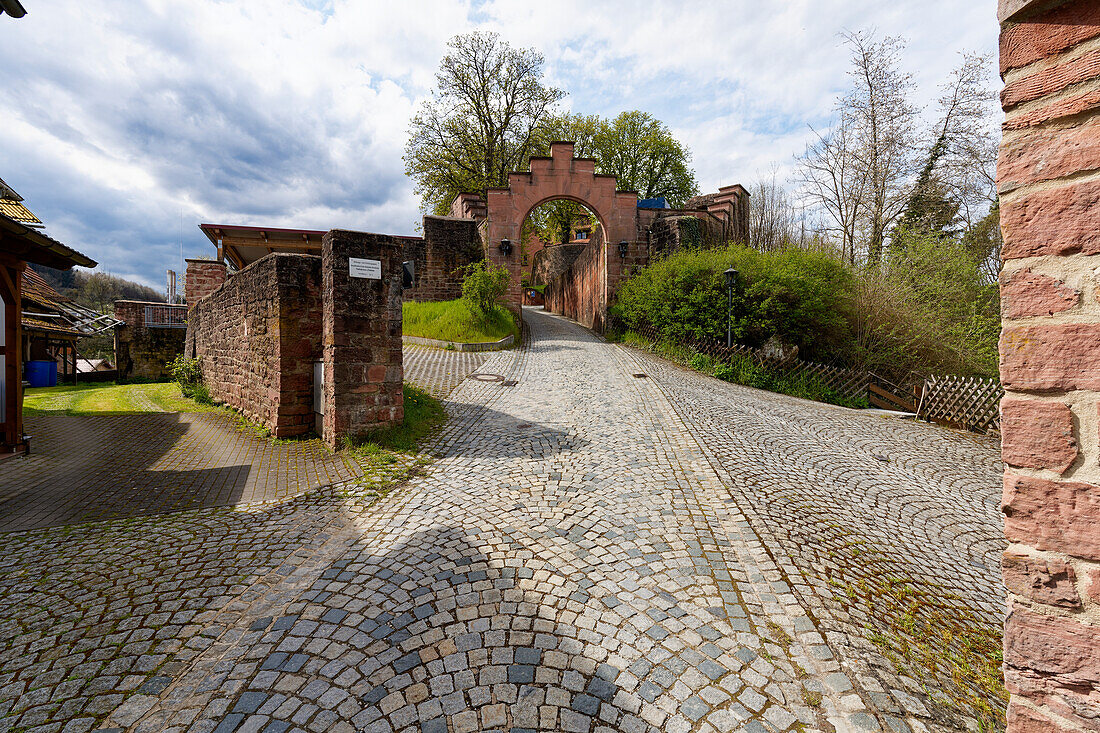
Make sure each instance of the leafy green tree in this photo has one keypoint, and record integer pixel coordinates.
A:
(642, 153)
(483, 119)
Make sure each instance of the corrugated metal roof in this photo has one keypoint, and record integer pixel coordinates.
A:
(80, 319)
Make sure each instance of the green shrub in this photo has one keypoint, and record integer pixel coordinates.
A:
(188, 375)
(803, 297)
(701, 363)
(483, 285)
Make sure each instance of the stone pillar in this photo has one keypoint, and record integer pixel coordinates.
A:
(1050, 361)
(361, 336)
(203, 277)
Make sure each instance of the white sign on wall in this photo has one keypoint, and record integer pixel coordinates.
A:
(370, 269)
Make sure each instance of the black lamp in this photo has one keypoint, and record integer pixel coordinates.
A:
(506, 247)
(731, 279)
(624, 246)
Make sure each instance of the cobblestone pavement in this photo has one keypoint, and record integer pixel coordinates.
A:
(889, 531)
(93, 468)
(578, 558)
(439, 371)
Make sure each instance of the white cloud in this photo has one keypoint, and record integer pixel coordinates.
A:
(122, 115)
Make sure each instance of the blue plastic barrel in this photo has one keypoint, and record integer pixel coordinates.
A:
(40, 373)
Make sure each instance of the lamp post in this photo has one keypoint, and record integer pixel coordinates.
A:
(731, 282)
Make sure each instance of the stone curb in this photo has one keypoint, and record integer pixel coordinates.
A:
(460, 346)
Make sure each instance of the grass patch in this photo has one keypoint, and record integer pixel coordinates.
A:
(106, 398)
(391, 456)
(453, 320)
(423, 416)
(745, 370)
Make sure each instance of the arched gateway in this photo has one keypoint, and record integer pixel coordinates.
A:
(630, 235)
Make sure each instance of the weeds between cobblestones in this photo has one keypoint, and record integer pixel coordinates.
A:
(897, 560)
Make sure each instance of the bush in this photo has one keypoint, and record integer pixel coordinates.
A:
(483, 285)
(188, 375)
(927, 310)
(803, 297)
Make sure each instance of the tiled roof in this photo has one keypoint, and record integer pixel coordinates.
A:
(16, 210)
(39, 325)
(39, 291)
(39, 297)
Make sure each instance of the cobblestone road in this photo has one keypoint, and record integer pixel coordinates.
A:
(590, 552)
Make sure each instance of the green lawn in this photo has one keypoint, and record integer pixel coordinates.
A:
(108, 397)
(452, 320)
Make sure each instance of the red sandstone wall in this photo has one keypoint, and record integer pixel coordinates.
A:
(202, 278)
(362, 336)
(579, 293)
(258, 336)
(142, 352)
(448, 245)
(1050, 361)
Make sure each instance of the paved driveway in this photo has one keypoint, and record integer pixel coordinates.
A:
(591, 551)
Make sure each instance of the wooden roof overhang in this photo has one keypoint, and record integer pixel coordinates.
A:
(19, 241)
(240, 246)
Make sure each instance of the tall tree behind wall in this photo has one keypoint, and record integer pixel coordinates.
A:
(481, 122)
(635, 147)
(859, 173)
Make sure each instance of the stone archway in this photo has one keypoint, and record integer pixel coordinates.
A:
(561, 176)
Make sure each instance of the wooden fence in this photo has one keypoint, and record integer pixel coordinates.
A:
(971, 403)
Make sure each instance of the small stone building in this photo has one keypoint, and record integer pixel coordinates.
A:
(300, 330)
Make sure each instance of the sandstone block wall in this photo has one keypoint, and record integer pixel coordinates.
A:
(449, 244)
(550, 263)
(1049, 181)
(361, 335)
(142, 352)
(580, 292)
(203, 277)
(258, 336)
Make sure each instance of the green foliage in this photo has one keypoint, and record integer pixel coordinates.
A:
(800, 296)
(188, 375)
(454, 320)
(742, 369)
(554, 221)
(635, 147)
(481, 121)
(483, 285)
(929, 309)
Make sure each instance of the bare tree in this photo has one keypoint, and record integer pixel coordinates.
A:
(962, 147)
(774, 222)
(832, 182)
(886, 130)
(860, 171)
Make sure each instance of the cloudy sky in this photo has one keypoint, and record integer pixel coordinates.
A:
(127, 123)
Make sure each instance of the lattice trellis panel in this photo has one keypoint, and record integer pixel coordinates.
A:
(969, 402)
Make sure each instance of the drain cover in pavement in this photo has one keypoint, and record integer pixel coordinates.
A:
(484, 377)
(639, 376)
